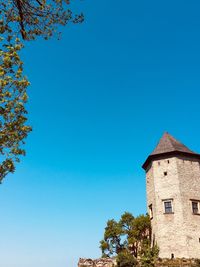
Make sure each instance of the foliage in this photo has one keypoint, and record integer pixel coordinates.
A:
(139, 234)
(25, 20)
(13, 85)
(32, 18)
(130, 240)
(111, 244)
(129, 234)
(149, 255)
(196, 263)
(126, 259)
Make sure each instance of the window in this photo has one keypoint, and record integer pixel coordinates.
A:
(168, 161)
(195, 207)
(168, 206)
(151, 211)
(165, 173)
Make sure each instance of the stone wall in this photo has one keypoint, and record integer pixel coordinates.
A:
(106, 262)
(102, 262)
(176, 263)
(177, 233)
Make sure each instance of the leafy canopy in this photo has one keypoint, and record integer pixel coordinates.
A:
(13, 97)
(129, 234)
(22, 20)
(32, 18)
(129, 239)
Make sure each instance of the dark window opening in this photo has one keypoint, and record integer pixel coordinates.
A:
(168, 206)
(151, 211)
(199, 240)
(195, 207)
(165, 173)
(172, 256)
(168, 161)
(154, 240)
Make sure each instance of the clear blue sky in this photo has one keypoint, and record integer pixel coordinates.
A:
(100, 99)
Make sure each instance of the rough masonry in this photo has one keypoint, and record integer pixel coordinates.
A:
(102, 262)
(173, 198)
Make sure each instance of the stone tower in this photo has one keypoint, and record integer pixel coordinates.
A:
(173, 198)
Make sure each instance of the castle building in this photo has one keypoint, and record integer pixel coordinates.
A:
(173, 198)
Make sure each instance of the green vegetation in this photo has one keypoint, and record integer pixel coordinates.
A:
(149, 255)
(196, 263)
(126, 259)
(22, 20)
(129, 239)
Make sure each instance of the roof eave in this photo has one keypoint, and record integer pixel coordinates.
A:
(168, 154)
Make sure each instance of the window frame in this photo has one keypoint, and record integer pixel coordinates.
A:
(168, 209)
(195, 210)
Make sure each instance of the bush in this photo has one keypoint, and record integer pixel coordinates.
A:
(126, 259)
(149, 256)
(196, 263)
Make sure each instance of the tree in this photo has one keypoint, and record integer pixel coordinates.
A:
(21, 20)
(32, 18)
(139, 234)
(129, 234)
(111, 244)
(130, 240)
(13, 96)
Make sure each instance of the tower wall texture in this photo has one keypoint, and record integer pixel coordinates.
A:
(176, 179)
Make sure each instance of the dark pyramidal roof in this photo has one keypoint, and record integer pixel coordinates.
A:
(167, 146)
